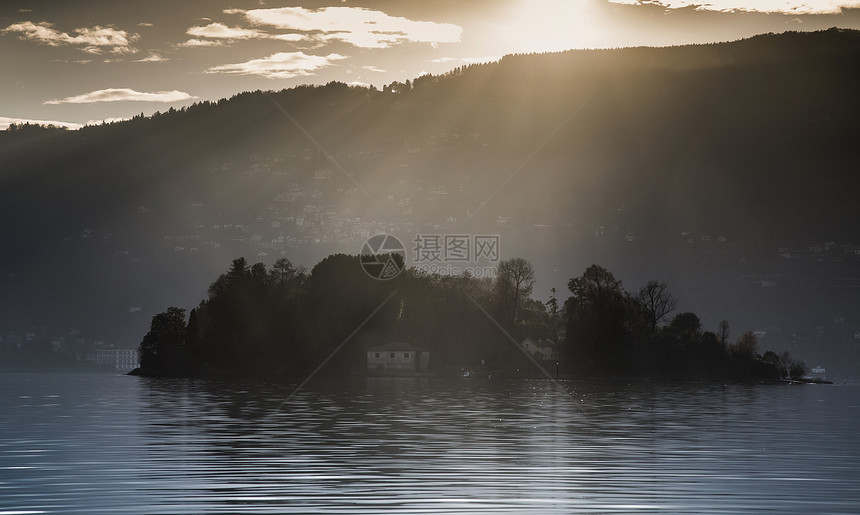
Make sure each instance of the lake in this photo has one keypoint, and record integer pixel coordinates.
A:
(105, 443)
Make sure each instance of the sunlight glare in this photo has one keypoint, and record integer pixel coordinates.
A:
(555, 25)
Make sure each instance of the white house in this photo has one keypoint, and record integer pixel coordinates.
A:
(542, 349)
(397, 359)
(818, 373)
(120, 359)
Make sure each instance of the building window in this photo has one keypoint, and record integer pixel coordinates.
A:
(391, 355)
(377, 355)
(406, 355)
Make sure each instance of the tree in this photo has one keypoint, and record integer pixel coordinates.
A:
(771, 358)
(284, 272)
(552, 303)
(516, 277)
(192, 339)
(238, 268)
(599, 313)
(237, 314)
(163, 346)
(597, 285)
(237, 272)
(723, 333)
(798, 370)
(747, 344)
(792, 368)
(552, 306)
(258, 272)
(686, 323)
(656, 302)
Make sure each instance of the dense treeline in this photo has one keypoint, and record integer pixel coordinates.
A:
(611, 331)
(25, 133)
(285, 322)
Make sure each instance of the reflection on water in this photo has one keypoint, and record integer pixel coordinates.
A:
(111, 444)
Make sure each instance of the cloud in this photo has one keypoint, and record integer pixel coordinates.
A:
(374, 69)
(290, 37)
(123, 95)
(152, 58)
(106, 120)
(217, 34)
(201, 43)
(94, 40)
(5, 122)
(145, 24)
(357, 26)
(759, 6)
(221, 31)
(283, 65)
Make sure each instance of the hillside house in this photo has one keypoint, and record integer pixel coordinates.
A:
(397, 359)
(542, 349)
(119, 359)
(818, 373)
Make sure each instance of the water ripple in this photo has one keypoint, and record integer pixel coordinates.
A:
(115, 444)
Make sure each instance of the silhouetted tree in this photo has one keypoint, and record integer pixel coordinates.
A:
(599, 316)
(791, 367)
(798, 370)
(515, 280)
(773, 360)
(686, 324)
(747, 344)
(723, 333)
(162, 347)
(552, 307)
(283, 272)
(656, 302)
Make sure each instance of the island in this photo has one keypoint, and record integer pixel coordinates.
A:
(285, 322)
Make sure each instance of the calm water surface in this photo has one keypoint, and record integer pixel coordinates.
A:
(102, 443)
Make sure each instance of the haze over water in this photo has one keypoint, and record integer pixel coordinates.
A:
(97, 443)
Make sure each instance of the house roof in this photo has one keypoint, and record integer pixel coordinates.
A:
(396, 346)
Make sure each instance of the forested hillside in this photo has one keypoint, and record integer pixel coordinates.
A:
(729, 170)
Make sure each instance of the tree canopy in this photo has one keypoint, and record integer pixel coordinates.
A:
(283, 321)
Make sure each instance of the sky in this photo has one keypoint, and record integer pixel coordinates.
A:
(88, 61)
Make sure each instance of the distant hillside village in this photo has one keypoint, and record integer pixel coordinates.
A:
(312, 209)
(35, 349)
